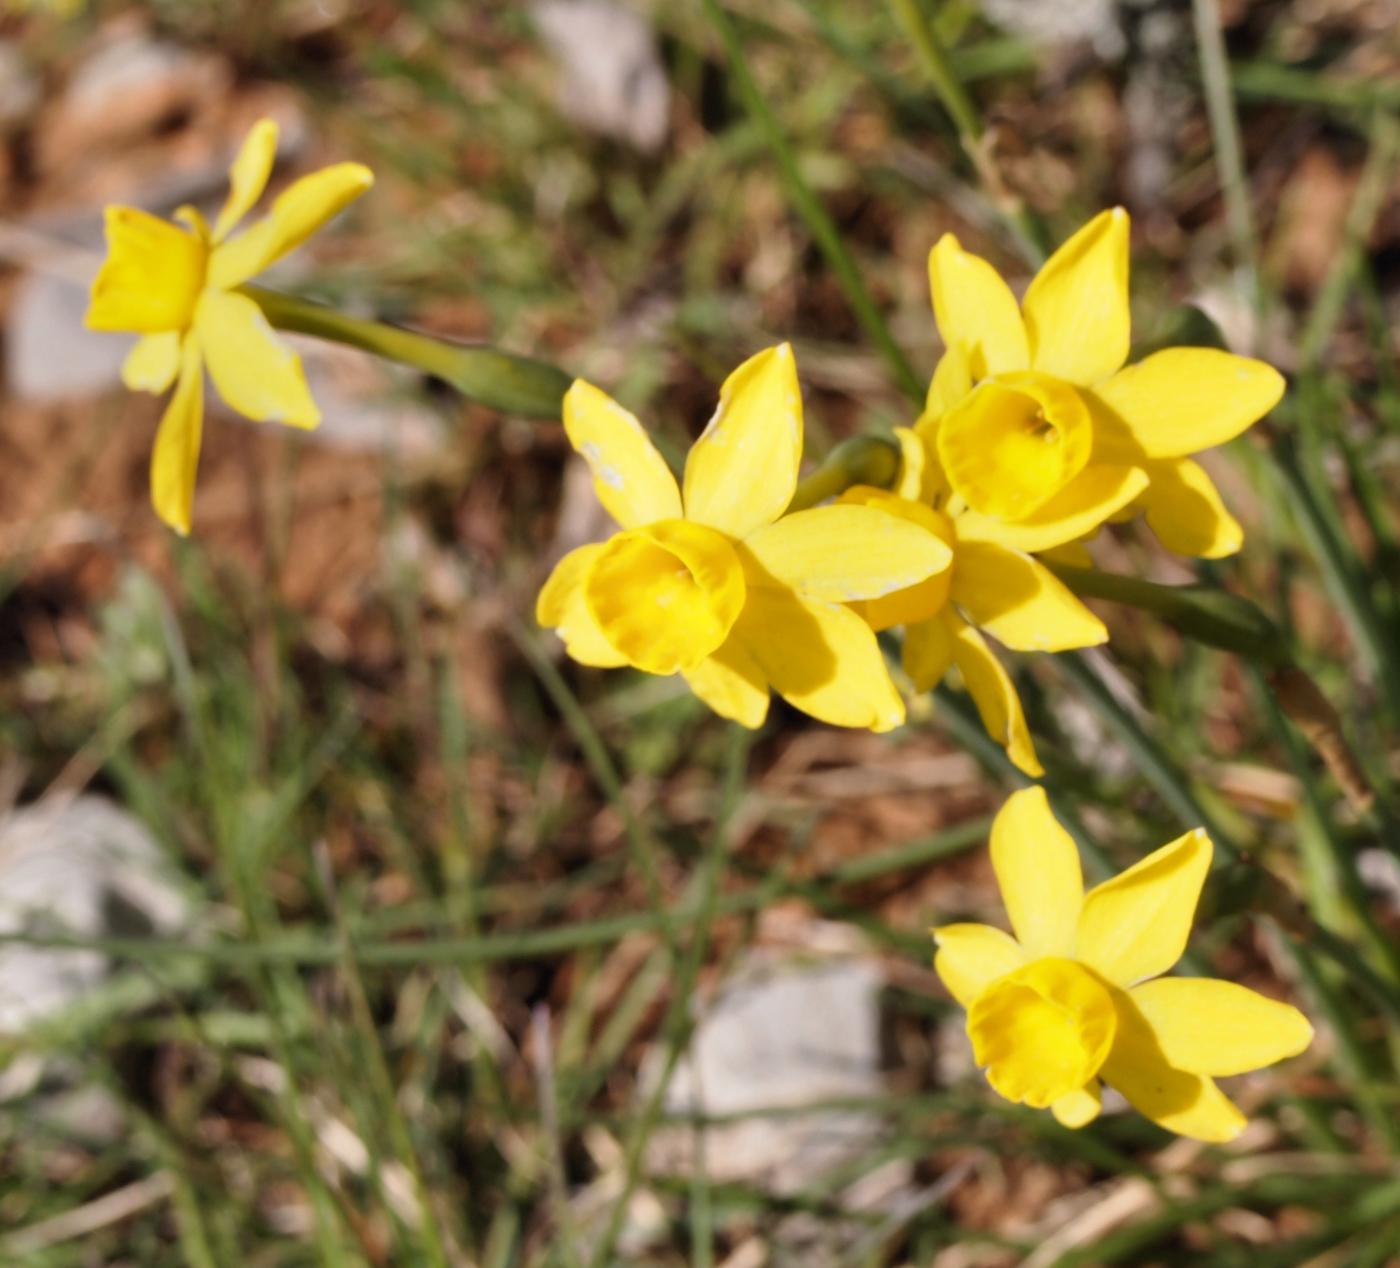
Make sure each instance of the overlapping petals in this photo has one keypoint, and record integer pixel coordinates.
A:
(1076, 996)
(173, 284)
(1031, 410)
(715, 582)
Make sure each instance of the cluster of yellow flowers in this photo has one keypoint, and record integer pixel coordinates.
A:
(1033, 436)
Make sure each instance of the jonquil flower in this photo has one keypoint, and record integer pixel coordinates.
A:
(713, 581)
(1035, 421)
(177, 287)
(1076, 998)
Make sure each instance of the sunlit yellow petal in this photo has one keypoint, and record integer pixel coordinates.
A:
(1076, 309)
(632, 480)
(561, 607)
(1074, 512)
(1219, 1028)
(1183, 400)
(1020, 602)
(255, 372)
(976, 310)
(952, 380)
(927, 653)
(151, 277)
(1079, 1108)
(846, 552)
(1135, 925)
(913, 462)
(994, 694)
(296, 214)
(1037, 869)
(1186, 511)
(151, 366)
(971, 957)
(732, 684)
(175, 457)
(1188, 1104)
(742, 472)
(820, 657)
(247, 178)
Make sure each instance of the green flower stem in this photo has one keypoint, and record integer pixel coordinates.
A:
(1209, 616)
(808, 206)
(502, 380)
(859, 460)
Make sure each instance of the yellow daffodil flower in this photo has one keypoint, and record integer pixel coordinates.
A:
(990, 587)
(177, 287)
(1076, 997)
(1034, 420)
(713, 581)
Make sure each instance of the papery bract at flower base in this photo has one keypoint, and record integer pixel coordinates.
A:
(1076, 998)
(176, 286)
(718, 584)
(1032, 416)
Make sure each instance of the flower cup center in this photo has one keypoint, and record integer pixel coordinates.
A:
(666, 595)
(1014, 442)
(1043, 1031)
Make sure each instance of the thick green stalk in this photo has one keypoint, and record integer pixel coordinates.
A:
(859, 460)
(808, 206)
(502, 380)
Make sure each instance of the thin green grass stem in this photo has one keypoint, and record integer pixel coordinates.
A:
(805, 202)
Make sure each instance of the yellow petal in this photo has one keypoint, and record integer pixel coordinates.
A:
(1079, 1108)
(994, 694)
(632, 480)
(1188, 1104)
(1183, 400)
(821, 658)
(1135, 926)
(1037, 869)
(1074, 512)
(296, 214)
(952, 380)
(927, 653)
(971, 957)
(247, 178)
(151, 277)
(742, 472)
(732, 684)
(845, 552)
(667, 594)
(1186, 511)
(561, 607)
(1219, 1028)
(151, 366)
(1021, 602)
(1076, 309)
(913, 463)
(175, 457)
(976, 310)
(916, 603)
(255, 373)
(1014, 443)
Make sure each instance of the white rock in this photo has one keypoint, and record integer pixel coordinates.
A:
(49, 354)
(781, 1033)
(80, 866)
(614, 82)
